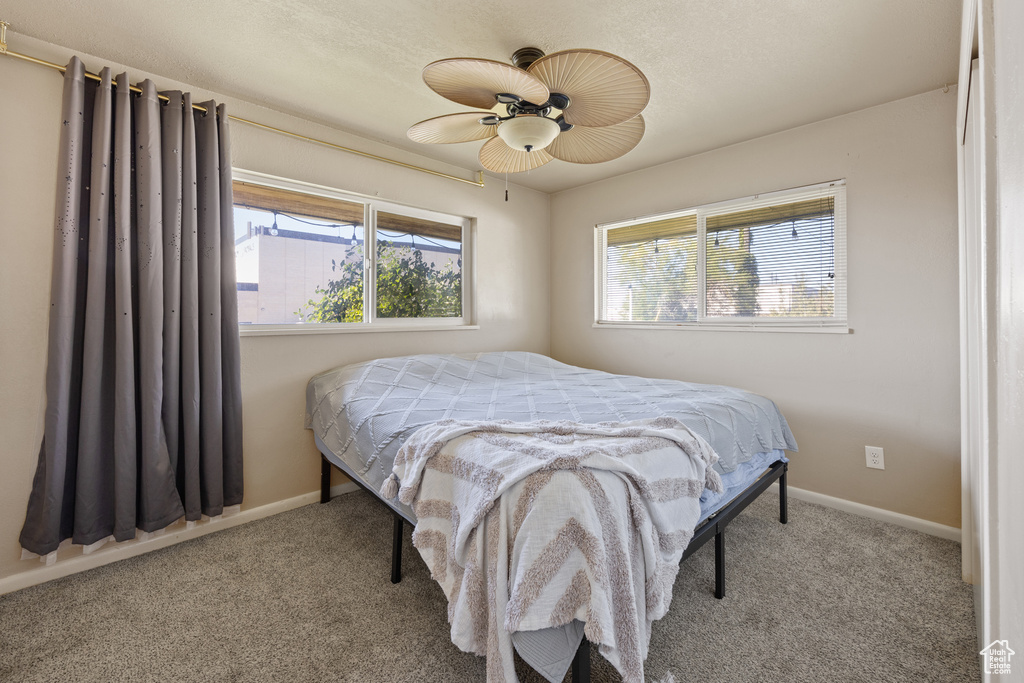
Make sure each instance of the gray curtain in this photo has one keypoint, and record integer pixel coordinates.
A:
(143, 417)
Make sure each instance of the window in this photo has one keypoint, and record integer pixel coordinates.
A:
(772, 260)
(307, 254)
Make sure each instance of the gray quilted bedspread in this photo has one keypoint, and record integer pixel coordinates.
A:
(365, 411)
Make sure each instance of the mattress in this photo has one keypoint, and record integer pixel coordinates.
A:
(364, 412)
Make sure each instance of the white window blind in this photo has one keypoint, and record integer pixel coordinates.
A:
(773, 259)
(652, 271)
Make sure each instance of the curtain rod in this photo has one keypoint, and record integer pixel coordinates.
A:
(479, 182)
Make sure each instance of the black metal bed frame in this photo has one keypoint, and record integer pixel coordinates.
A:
(713, 526)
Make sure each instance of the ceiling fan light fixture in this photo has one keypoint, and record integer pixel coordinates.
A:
(581, 106)
(528, 133)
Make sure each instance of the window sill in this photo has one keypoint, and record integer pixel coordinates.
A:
(347, 328)
(812, 328)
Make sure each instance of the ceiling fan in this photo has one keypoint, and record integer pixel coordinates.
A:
(581, 106)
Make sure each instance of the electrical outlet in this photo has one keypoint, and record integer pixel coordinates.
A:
(875, 457)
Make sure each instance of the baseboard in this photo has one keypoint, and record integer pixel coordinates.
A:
(176, 533)
(915, 523)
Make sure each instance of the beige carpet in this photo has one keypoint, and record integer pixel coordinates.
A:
(305, 596)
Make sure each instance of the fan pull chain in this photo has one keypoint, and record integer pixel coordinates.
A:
(506, 186)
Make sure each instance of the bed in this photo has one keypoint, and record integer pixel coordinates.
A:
(362, 414)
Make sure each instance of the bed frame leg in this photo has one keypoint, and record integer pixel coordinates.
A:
(783, 500)
(325, 480)
(396, 549)
(720, 564)
(581, 663)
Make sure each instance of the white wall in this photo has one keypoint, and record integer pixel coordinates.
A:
(280, 459)
(894, 381)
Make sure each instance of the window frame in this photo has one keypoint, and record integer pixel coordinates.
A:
(371, 206)
(835, 324)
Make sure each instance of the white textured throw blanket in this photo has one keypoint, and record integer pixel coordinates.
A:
(528, 525)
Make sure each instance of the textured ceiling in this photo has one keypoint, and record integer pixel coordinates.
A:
(721, 71)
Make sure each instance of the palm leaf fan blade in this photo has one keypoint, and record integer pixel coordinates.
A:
(603, 89)
(452, 128)
(582, 145)
(476, 82)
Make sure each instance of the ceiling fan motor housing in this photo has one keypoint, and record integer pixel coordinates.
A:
(525, 56)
